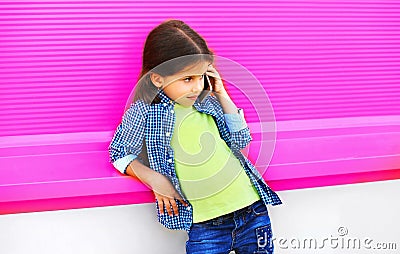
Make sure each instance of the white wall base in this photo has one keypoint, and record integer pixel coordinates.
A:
(365, 210)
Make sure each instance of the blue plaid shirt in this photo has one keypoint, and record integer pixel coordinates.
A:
(153, 125)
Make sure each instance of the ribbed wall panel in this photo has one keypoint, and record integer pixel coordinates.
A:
(69, 66)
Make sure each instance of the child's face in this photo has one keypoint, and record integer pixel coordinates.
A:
(185, 86)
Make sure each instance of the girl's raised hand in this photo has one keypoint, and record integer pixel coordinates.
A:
(166, 194)
(218, 84)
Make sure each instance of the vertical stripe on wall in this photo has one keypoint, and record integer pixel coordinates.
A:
(69, 66)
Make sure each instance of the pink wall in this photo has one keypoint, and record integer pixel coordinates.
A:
(330, 69)
(69, 66)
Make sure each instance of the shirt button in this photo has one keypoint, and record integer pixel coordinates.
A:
(169, 160)
(172, 111)
(164, 104)
(167, 134)
(188, 208)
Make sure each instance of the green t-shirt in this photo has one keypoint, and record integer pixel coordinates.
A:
(211, 177)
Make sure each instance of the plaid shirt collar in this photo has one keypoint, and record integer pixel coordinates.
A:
(164, 98)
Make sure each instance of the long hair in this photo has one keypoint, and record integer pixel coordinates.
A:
(172, 39)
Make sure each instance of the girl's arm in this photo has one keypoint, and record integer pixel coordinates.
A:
(127, 141)
(226, 102)
(162, 187)
(240, 132)
(124, 150)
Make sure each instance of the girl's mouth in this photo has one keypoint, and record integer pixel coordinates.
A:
(192, 97)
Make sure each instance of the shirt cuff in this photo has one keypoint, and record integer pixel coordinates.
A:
(235, 122)
(123, 162)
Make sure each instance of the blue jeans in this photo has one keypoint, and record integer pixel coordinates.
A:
(246, 231)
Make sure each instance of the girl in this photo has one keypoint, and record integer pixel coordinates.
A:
(184, 143)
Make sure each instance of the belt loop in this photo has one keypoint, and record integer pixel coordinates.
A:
(249, 208)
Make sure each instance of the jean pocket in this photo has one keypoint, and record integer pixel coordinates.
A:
(259, 208)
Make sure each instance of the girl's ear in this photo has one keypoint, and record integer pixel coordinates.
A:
(156, 79)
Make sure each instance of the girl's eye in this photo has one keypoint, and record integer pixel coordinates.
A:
(188, 79)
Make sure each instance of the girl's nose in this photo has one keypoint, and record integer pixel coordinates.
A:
(198, 86)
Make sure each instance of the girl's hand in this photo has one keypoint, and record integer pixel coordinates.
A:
(218, 85)
(166, 194)
(227, 104)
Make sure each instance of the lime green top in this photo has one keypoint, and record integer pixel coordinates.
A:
(211, 177)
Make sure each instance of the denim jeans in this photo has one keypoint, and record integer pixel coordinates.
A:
(246, 231)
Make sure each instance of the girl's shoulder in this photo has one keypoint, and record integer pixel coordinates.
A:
(144, 108)
(139, 105)
(138, 108)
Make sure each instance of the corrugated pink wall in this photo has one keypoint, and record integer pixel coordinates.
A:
(68, 66)
(331, 69)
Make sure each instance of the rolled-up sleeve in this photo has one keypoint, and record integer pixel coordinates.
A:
(235, 122)
(240, 132)
(127, 141)
(122, 163)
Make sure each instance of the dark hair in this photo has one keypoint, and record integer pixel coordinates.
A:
(169, 41)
